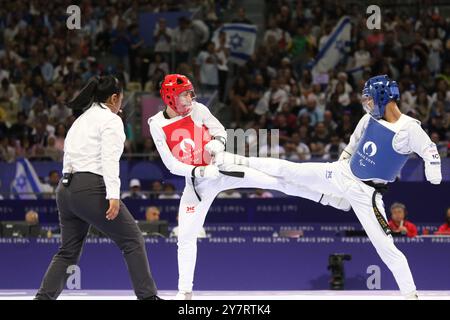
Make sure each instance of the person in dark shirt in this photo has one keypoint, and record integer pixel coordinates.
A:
(241, 17)
(20, 129)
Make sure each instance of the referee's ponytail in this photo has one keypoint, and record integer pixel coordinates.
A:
(97, 89)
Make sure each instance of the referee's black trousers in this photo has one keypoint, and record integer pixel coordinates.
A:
(80, 205)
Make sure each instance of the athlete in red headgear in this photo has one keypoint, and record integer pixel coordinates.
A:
(177, 92)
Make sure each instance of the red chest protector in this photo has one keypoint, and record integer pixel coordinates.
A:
(186, 141)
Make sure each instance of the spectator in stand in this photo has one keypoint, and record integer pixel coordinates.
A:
(319, 139)
(59, 112)
(260, 193)
(229, 194)
(241, 17)
(152, 214)
(239, 98)
(60, 136)
(398, 223)
(8, 92)
(135, 191)
(163, 39)
(334, 149)
(183, 40)
(50, 186)
(51, 150)
(311, 110)
(169, 192)
(156, 189)
(445, 228)
(223, 52)
(27, 101)
(158, 64)
(207, 67)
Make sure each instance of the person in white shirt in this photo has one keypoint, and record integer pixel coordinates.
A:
(378, 149)
(222, 48)
(59, 112)
(272, 100)
(135, 190)
(186, 136)
(163, 39)
(207, 68)
(89, 192)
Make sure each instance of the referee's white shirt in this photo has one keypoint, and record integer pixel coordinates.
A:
(94, 144)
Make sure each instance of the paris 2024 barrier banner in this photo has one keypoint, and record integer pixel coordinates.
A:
(426, 203)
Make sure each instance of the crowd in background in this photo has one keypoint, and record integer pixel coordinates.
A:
(276, 88)
(43, 64)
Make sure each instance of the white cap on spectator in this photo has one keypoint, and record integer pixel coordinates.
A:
(135, 183)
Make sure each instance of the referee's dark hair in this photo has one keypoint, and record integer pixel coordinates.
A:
(97, 89)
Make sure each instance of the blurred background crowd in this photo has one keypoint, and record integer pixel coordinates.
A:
(43, 64)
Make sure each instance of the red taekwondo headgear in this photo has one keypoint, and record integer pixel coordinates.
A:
(172, 93)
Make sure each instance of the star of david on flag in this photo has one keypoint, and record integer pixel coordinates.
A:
(26, 182)
(335, 48)
(241, 39)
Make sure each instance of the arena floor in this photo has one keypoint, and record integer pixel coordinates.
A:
(232, 295)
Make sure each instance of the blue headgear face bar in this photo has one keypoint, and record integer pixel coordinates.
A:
(381, 90)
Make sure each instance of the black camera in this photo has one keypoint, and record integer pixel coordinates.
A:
(336, 265)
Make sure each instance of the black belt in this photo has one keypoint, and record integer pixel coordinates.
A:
(381, 189)
(67, 176)
(83, 172)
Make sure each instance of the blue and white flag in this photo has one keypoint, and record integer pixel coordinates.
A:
(241, 39)
(26, 183)
(335, 48)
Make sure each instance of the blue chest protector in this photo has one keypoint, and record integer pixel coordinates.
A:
(375, 158)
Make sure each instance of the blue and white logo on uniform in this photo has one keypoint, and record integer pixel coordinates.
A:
(366, 154)
(370, 148)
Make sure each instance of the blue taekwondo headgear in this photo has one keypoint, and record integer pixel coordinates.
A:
(377, 93)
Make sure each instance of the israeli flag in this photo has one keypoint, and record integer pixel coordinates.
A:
(26, 183)
(241, 39)
(335, 48)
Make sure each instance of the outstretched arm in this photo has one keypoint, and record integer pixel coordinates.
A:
(420, 143)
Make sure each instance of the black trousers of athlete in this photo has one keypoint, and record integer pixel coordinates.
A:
(80, 205)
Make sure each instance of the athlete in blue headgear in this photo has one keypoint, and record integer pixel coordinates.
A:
(375, 155)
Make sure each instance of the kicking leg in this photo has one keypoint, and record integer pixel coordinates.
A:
(313, 181)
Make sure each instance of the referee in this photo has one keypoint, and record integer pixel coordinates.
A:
(89, 192)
